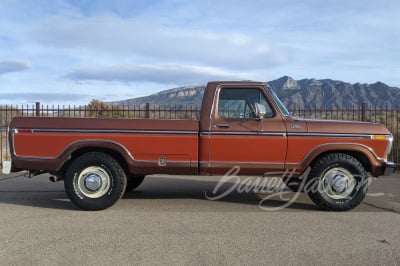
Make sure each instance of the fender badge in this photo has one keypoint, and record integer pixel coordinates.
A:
(162, 161)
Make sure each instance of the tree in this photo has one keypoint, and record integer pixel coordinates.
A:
(97, 108)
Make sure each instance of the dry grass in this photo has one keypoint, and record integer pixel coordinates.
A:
(5, 155)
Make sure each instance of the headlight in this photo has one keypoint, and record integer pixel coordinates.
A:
(389, 146)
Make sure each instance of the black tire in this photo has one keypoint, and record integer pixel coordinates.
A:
(133, 182)
(94, 181)
(337, 182)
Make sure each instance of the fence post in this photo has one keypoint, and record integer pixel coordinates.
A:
(37, 108)
(364, 112)
(147, 111)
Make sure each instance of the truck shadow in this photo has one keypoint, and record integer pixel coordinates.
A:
(158, 188)
(39, 199)
(185, 193)
(44, 194)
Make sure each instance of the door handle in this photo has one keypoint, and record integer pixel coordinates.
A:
(223, 125)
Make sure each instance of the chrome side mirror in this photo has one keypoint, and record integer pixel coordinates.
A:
(260, 110)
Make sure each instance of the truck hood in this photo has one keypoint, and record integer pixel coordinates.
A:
(344, 127)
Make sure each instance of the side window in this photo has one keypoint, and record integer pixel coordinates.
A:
(239, 103)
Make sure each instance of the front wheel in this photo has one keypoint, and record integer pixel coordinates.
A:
(94, 181)
(337, 182)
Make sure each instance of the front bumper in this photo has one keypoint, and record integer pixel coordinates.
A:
(388, 168)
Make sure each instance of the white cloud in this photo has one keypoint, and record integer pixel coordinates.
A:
(30, 98)
(138, 47)
(13, 66)
(159, 73)
(152, 39)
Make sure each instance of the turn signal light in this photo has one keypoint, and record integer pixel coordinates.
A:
(382, 137)
(23, 131)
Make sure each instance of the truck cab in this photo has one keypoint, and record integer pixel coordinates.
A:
(232, 133)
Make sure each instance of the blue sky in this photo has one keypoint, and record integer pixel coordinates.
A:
(69, 52)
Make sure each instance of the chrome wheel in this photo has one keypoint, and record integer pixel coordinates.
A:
(338, 183)
(94, 182)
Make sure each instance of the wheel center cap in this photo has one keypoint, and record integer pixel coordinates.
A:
(93, 182)
(339, 183)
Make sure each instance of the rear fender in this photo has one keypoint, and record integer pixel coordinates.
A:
(57, 163)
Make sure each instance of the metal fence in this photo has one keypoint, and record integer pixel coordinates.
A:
(388, 117)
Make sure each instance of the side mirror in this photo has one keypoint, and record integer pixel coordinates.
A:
(260, 110)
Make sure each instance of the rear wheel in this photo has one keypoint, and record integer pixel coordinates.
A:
(94, 181)
(337, 182)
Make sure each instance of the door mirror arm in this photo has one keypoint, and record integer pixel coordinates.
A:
(260, 111)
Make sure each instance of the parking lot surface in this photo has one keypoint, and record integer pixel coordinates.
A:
(169, 221)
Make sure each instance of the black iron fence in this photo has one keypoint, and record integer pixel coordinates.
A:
(388, 117)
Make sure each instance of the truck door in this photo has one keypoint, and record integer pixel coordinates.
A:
(238, 138)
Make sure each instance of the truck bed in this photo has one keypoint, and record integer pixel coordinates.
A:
(145, 143)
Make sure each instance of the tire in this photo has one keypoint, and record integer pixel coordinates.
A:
(337, 182)
(133, 182)
(94, 181)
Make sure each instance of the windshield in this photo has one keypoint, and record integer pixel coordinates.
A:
(281, 106)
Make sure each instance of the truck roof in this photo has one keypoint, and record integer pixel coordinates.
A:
(241, 82)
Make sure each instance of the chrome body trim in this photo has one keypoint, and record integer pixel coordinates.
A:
(305, 135)
(203, 134)
(77, 142)
(331, 135)
(95, 131)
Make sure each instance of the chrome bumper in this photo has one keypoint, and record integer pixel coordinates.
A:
(389, 168)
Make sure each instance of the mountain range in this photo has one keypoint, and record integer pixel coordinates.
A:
(304, 93)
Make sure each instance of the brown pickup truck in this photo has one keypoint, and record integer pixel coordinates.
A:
(242, 124)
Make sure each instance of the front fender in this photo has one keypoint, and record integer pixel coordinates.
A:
(375, 162)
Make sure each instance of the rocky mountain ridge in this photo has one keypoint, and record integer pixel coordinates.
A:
(304, 93)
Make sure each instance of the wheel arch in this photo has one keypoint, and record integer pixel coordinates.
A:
(114, 149)
(361, 157)
(362, 153)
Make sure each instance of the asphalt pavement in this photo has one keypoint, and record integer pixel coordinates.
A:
(169, 221)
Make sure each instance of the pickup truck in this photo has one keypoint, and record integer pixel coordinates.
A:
(242, 124)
